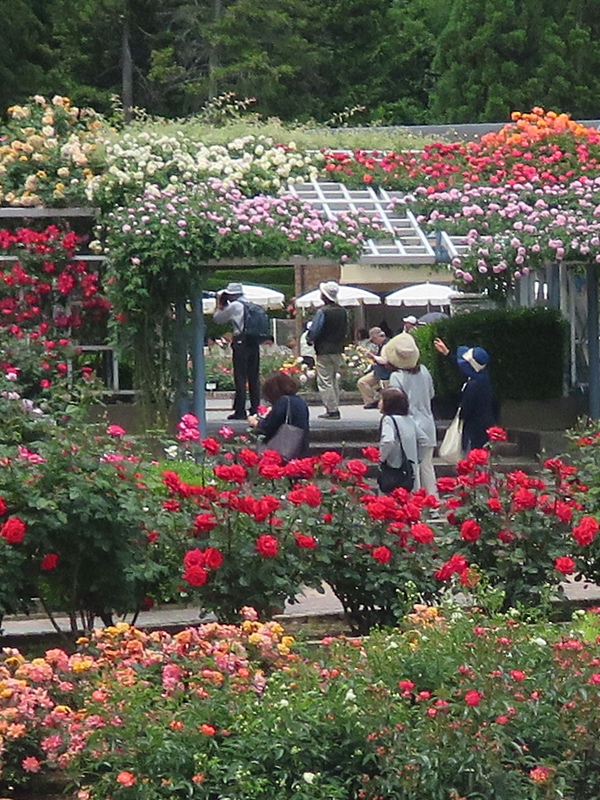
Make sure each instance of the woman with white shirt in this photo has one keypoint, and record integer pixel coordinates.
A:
(402, 352)
(395, 422)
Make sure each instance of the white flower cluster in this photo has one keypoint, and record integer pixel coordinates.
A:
(251, 163)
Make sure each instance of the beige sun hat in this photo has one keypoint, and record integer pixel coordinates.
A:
(401, 352)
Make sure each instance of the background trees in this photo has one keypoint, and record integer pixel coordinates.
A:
(405, 61)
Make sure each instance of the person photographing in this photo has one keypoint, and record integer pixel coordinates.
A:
(245, 349)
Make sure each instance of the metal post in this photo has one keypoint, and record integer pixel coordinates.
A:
(593, 345)
(199, 403)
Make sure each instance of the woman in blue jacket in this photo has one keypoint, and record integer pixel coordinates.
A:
(477, 407)
(280, 390)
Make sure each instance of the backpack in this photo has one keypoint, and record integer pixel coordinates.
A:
(257, 324)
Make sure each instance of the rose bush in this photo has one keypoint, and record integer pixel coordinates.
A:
(523, 534)
(49, 153)
(449, 705)
(76, 526)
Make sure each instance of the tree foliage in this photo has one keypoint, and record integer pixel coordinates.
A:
(402, 61)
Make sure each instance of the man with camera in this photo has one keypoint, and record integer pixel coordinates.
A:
(246, 353)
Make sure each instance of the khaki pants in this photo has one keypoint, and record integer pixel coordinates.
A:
(328, 367)
(369, 386)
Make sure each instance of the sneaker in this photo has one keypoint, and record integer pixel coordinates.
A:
(330, 415)
(236, 416)
(375, 404)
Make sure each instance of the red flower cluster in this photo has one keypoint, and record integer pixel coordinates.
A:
(13, 530)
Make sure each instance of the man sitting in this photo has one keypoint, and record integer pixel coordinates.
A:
(377, 377)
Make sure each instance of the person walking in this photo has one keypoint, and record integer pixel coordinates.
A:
(402, 352)
(376, 378)
(328, 334)
(477, 406)
(245, 349)
(399, 432)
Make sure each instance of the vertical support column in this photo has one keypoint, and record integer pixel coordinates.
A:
(199, 402)
(180, 360)
(593, 345)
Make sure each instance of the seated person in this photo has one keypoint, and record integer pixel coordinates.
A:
(281, 391)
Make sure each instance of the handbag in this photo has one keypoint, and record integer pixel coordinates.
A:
(288, 440)
(451, 450)
(402, 477)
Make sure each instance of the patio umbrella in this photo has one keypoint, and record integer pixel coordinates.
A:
(348, 296)
(422, 294)
(261, 295)
(432, 316)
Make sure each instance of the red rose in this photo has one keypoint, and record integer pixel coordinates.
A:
(565, 564)
(494, 504)
(211, 446)
(327, 518)
(356, 467)
(455, 565)
(205, 522)
(422, 533)
(330, 460)
(267, 546)
(171, 505)
(49, 562)
(194, 558)
(231, 472)
(195, 575)
(473, 697)
(382, 554)
(249, 457)
(304, 540)
(213, 558)
(271, 469)
(13, 530)
(585, 532)
(309, 494)
(446, 484)
(470, 530)
(2, 506)
(371, 454)
(497, 434)
(151, 537)
(524, 499)
(478, 456)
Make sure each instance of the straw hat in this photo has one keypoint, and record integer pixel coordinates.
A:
(401, 351)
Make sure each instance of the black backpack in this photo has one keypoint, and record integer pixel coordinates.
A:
(257, 324)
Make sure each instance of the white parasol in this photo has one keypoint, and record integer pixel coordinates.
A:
(261, 295)
(348, 296)
(422, 294)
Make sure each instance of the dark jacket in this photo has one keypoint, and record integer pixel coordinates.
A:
(477, 410)
(298, 416)
(329, 330)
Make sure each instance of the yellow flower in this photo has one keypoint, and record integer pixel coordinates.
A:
(41, 174)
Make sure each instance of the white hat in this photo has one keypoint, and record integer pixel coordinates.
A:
(330, 290)
(234, 289)
(410, 319)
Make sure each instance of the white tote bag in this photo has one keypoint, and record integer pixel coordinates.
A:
(451, 447)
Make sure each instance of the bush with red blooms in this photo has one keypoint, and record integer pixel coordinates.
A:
(540, 147)
(521, 534)
(47, 283)
(76, 525)
(257, 530)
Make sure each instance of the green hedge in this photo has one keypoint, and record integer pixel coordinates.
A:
(527, 348)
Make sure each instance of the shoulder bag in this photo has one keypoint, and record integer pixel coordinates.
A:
(451, 447)
(288, 439)
(402, 477)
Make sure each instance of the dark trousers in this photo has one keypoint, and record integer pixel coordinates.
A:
(246, 359)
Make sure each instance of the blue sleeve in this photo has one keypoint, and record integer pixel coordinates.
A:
(316, 327)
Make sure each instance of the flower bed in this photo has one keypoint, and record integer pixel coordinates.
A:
(448, 706)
